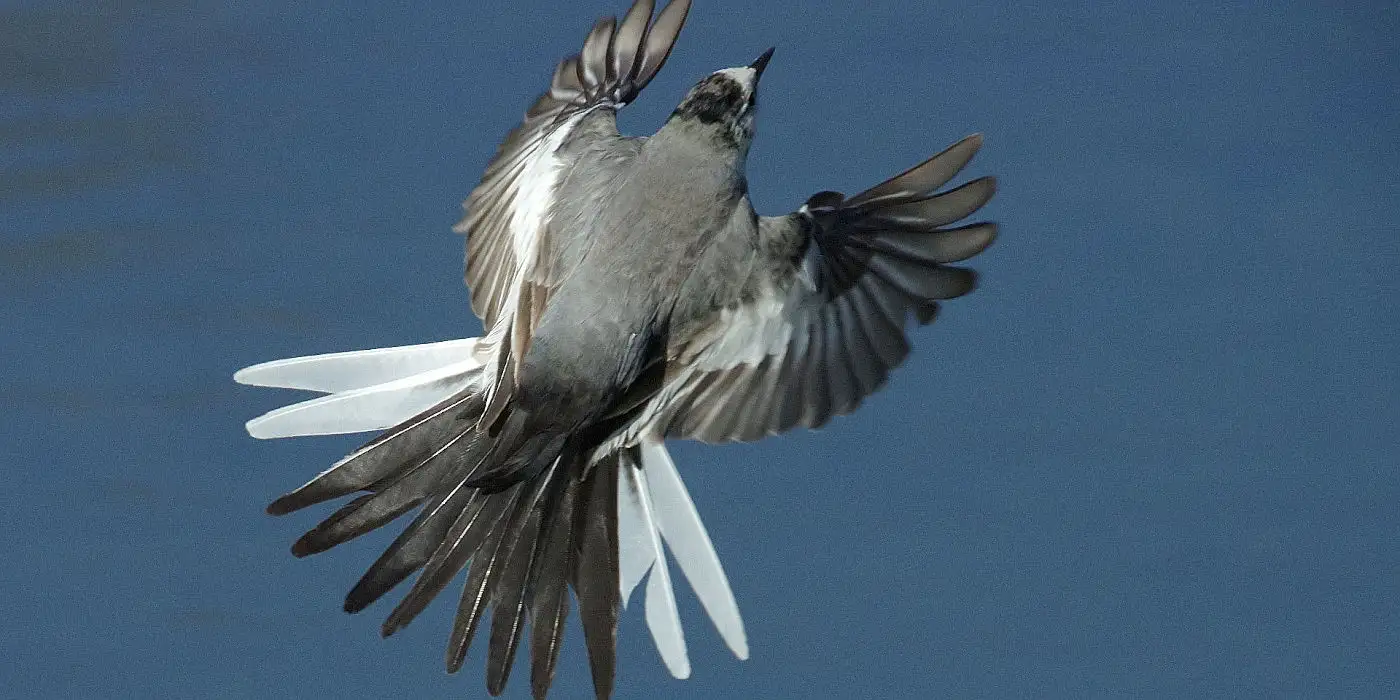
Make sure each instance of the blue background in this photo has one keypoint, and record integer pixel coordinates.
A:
(1155, 454)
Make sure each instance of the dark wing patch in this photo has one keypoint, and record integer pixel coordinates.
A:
(845, 275)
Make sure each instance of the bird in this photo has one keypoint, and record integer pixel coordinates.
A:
(629, 294)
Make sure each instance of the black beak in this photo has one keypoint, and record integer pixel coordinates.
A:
(762, 62)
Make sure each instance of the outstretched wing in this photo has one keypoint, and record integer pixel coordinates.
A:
(826, 325)
(507, 213)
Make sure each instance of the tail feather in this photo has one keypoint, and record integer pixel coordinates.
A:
(548, 526)
(595, 575)
(412, 548)
(472, 530)
(549, 606)
(508, 622)
(357, 369)
(679, 524)
(414, 442)
(663, 619)
(356, 518)
(368, 408)
(476, 596)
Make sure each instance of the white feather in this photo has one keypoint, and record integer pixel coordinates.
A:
(356, 369)
(663, 619)
(679, 522)
(369, 408)
(535, 198)
(635, 551)
(536, 195)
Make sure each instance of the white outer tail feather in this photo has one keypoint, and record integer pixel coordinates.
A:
(376, 389)
(357, 369)
(662, 617)
(368, 408)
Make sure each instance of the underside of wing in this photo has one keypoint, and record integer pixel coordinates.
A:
(823, 334)
(507, 212)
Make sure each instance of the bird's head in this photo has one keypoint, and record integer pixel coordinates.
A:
(723, 104)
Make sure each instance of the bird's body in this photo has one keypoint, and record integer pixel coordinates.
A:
(666, 219)
(630, 294)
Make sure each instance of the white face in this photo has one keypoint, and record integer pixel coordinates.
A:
(746, 77)
(724, 103)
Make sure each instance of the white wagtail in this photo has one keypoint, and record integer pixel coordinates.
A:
(630, 294)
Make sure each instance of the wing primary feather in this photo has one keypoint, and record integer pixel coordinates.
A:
(933, 212)
(593, 61)
(564, 86)
(937, 247)
(924, 282)
(627, 42)
(921, 179)
(661, 39)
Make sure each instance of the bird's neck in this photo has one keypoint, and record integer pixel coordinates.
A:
(705, 146)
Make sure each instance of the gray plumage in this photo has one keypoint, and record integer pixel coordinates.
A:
(631, 293)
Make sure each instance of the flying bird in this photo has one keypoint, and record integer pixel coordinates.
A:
(629, 293)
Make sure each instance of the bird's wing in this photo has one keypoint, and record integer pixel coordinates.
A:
(824, 323)
(507, 213)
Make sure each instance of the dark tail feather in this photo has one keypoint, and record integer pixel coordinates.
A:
(474, 528)
(400, 490)
(383, 459)
(508, 622)
(549, 606)
(595, 576)
(562, 530)
(520, 510)
(411, 550)
(522, 449)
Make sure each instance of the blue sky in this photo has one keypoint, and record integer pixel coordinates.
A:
(1154, 455)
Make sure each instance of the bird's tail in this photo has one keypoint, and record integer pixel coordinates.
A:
(523, 544)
